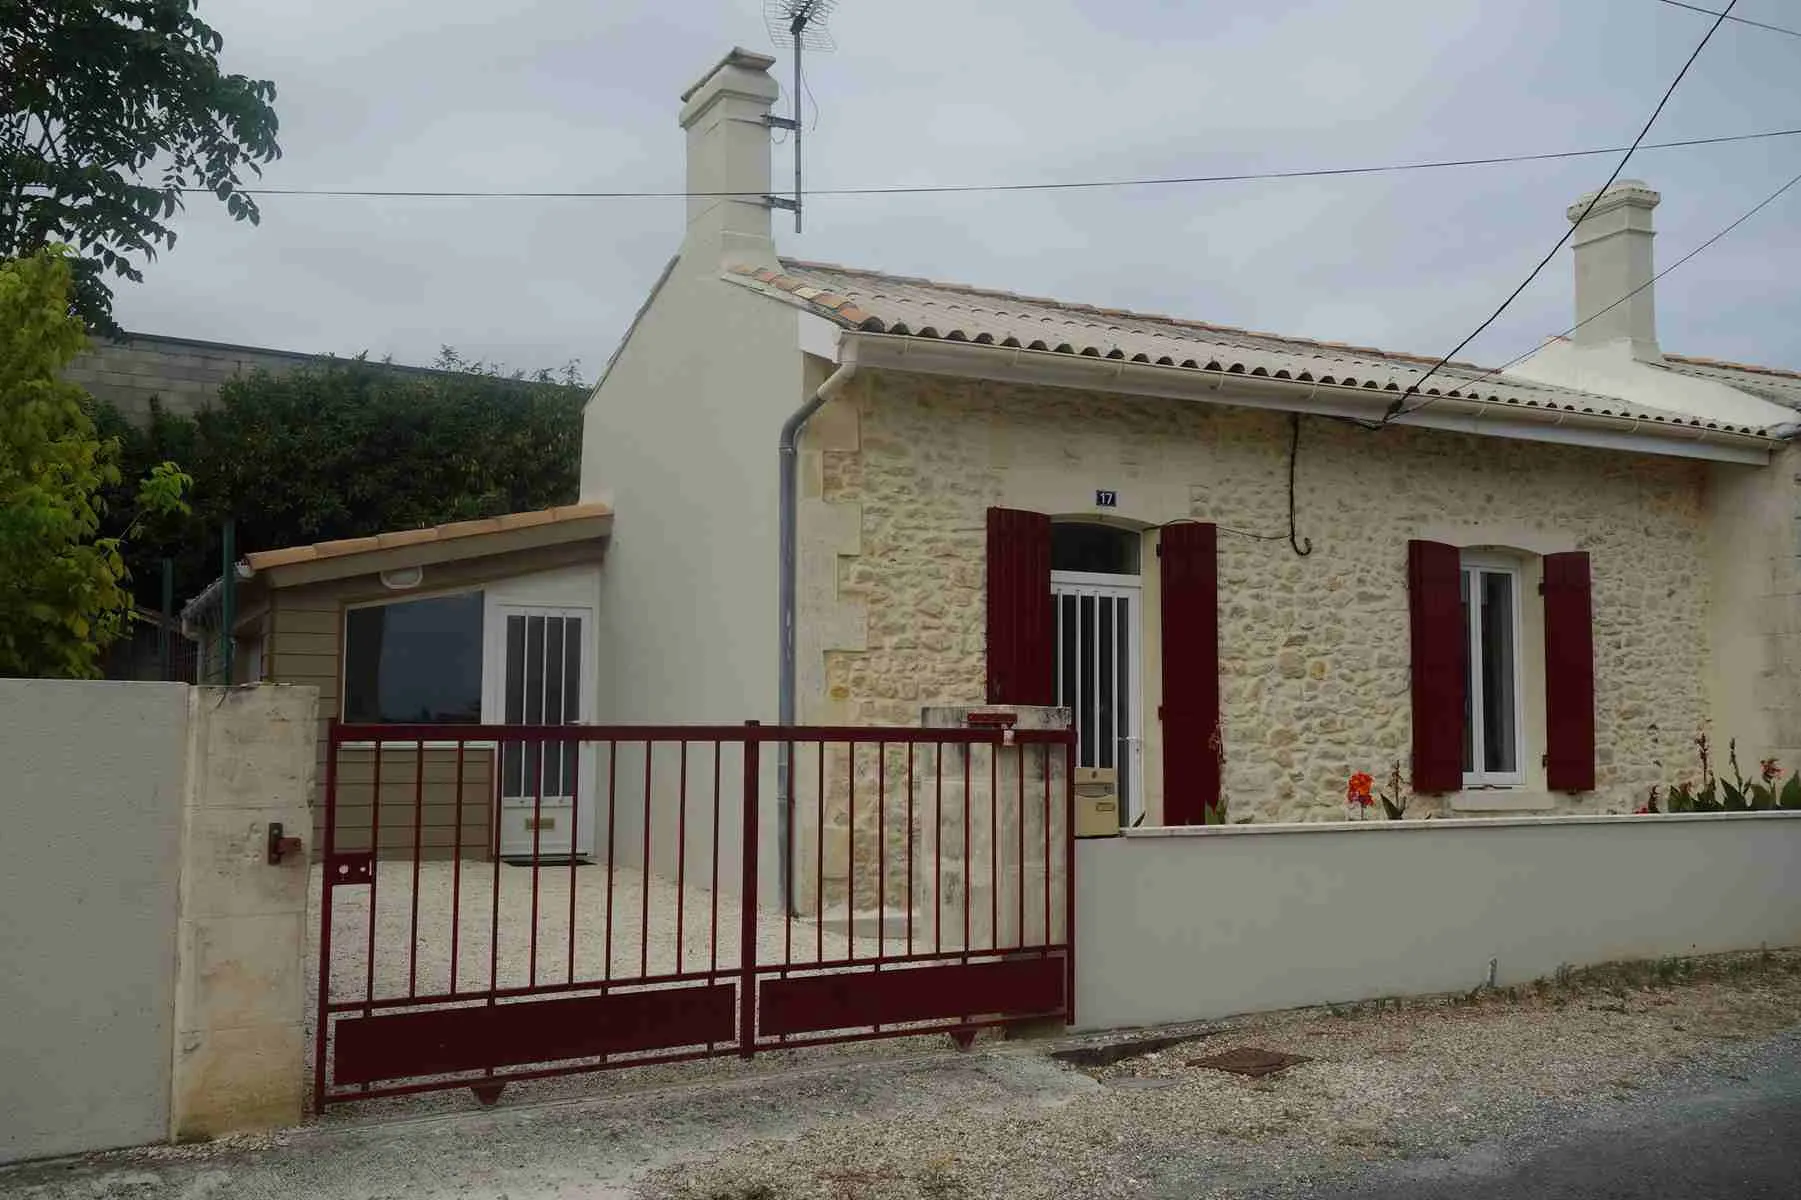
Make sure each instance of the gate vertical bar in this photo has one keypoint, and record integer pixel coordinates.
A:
(1069, 880)
(322, 1029)
(747, 961)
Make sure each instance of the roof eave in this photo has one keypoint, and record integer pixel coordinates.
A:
(1524, 422)
(596, 529)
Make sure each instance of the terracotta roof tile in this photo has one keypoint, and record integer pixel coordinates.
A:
(912, 306)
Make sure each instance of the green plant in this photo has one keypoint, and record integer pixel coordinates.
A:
(1394, 798)
(1737, 795)
(94, 95)
(63, 597)
(351, 448)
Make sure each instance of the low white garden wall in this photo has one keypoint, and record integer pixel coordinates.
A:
(151, 978)
(1190, 924)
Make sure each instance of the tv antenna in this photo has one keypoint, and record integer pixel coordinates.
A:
(803, 21)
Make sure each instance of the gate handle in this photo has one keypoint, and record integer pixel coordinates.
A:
(279, 845)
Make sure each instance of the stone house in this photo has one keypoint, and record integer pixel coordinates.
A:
(1249, 564)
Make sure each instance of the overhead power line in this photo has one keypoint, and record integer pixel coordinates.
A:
(1740, 220)
(1088, 184)
(1714, 12)
(1418, 387)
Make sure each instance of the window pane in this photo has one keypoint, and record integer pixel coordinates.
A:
(534, 699)
(415, 661)
(1085, 696)
(1099, 548)
(1066, 652)
(553, 702)
(572, 694)
(1469, 690)
(1123, 698)
(1105, 735)
(1499, 740)
(513, 753)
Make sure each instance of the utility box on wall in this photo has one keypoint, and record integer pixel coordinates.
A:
(1097, 802)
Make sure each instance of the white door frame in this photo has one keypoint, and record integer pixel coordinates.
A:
(515, 833)
(1129, 746)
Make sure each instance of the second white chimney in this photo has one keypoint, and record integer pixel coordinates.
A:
(1613, 259)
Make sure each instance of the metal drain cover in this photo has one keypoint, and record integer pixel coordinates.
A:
(1249, 1060)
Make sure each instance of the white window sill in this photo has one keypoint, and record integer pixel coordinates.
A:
(1508, 800)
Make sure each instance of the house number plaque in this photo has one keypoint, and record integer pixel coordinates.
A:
(1105, 499)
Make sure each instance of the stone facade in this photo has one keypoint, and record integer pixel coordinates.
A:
(1314, 650)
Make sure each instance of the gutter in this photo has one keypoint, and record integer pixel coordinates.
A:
(789, 450)
(1545, 423)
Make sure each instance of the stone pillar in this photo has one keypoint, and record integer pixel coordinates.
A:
(240, 1053)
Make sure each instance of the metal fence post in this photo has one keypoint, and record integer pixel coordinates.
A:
(1069, 878)
(164, 662)
(747, 951)
(228, 599)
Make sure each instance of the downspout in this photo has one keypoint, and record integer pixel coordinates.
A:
(790, 502)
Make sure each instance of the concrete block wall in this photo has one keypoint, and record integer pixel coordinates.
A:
(184, 375)
(151, 960)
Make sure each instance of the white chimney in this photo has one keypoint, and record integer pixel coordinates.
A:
(728, 151)
(1613, 259)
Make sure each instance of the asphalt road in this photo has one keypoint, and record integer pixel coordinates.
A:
(1739, 1139)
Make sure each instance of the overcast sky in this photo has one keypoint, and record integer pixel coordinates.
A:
(583, 95)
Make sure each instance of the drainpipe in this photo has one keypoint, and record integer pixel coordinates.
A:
(790, 501)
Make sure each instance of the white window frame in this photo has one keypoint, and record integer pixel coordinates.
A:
(1495, 564)
(1131, 587)
(405, 598)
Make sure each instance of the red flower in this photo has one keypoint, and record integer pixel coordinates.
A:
(1358, 790)
(1643, 810)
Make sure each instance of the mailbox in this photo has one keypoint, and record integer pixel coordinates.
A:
(1097, 802)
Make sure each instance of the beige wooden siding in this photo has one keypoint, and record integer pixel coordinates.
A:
(304, 645)
(418, 801)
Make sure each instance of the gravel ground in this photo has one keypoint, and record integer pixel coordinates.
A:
(1385, 1082)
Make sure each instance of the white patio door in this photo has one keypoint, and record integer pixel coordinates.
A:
(1099, 625)
(540, 656)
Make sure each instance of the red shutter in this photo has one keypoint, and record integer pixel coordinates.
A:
(1191, 751)
(1440, 643)
(1022, 626)
(1569, 675)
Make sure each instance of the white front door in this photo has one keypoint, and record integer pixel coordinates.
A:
(1098, 631)
(540, 656)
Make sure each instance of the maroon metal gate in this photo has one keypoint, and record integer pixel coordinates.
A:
(512, 902)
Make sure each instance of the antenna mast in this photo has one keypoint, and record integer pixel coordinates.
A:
(803, 21)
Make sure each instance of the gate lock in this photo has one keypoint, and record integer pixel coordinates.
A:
(280, 846)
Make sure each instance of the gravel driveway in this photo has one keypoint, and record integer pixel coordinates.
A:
(1389, 1082)
(1431, 1086)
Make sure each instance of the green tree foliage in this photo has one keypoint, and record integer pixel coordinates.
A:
(95, 95)
(351, 448)
(63, 594)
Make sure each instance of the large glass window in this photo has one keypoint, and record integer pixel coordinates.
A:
(415, 662)
(1492, 751)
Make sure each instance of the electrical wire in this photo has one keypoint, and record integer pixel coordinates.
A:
(1399, 408)
(1742, 218)
(1302, 546)
(1077, 185)
(1714, 12)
